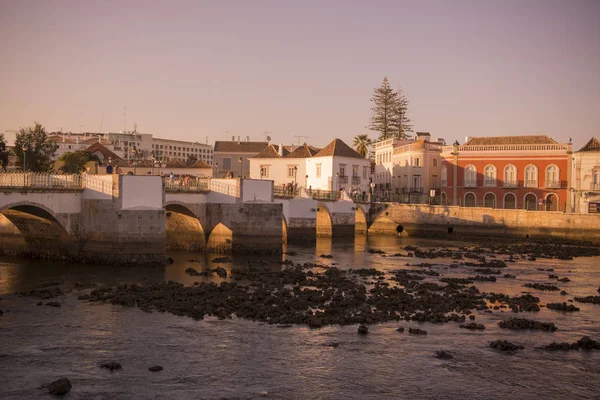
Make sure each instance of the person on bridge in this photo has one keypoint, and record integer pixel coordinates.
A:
(109, 169)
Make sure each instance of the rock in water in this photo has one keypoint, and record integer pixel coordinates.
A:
(156, 368)
(53, 304)
(417, 331)
(191, 271)
(59, 387)
(363, 329)
(505, 345)
(111, 365)
(83, 297)
(443, 355)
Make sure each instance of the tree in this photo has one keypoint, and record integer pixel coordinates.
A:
(191, 159)
(400, 121)
(74, 161)
(3, 153)
(361, 144)
(384, 109)
(33, 149)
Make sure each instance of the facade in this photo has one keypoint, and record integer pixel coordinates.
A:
(282, 166)
(228, 153)
(338, 166)
(512, 172)
(586, 178)
(407, 170)
(168, 150)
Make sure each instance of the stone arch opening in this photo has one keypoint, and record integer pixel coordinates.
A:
(510, 201)
(530, 202)
(551, 202)
(489, 200)
(324, 223)
(444, 199)
(220, 239)
(284, 231)
(470, 199)
(360, 222)
(33, 230)
(183, 229)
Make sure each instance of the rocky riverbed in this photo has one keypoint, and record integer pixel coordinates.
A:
(446, 302)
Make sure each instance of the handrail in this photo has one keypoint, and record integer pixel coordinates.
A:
(40, 180)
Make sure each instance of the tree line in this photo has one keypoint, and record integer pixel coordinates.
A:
(389, 117)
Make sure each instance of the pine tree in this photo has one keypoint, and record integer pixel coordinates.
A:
(400, 121)
(385, 106)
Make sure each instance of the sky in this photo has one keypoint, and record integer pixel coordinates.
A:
(190, 70)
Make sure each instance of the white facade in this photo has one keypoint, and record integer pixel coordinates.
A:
(335, 173)
(586, 179)
(279, 170)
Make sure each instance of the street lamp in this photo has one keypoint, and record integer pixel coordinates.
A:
(24, 158)
(134, 152)
(306, 181)
(337, 178)
(216, 165)
(295, 174)
(153, 162)
(241, 161)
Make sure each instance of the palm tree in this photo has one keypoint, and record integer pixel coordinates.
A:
(361, 144)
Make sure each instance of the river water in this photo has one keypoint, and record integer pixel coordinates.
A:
(238, 359)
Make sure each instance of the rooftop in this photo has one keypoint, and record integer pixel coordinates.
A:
(592, 146)
(503, 140)
(338, 148)
(239, 147)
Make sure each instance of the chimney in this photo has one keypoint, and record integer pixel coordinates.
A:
(233, 138)
(280, 149)
(238, 139)
(247, 138)
(467, 138)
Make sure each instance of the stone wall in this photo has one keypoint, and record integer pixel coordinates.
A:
(418, 219)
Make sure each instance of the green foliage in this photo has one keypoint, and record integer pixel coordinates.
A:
(361, 144)
(191, 159)
(389, 113)
(74, 161)
(3, 153)
(33, 149)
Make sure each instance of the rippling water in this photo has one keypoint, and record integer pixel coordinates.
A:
(237, 359)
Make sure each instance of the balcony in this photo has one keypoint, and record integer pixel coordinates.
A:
(556, 184)
(594, 186)
(444, 183)
(342, 179)
(470, 183)
(405, 190)
(513, 184)
(490, 183)
(356, 180)
(531, 183)
(388, 186)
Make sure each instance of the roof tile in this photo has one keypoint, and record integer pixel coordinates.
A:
(501, 140)
(338, 148)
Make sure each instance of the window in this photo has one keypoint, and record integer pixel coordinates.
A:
(434, 181)
(510, 176)
(552, 180)
(470, 176)
(416, 162)
(365, 172)
(596, 180)
(342, 169)
(318, 171)
(435, 162)
(355, 171)
(226, 164)
(469, 200)
(444, 176)
(264, 171)
(489, 176)
(292, 170)
(416, 184)
(531, 176)
(510, 201)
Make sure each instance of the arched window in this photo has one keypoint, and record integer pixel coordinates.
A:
(510, 176)
(489, 176)
(531, 176)
(444, 199)
(489, 200)
(470, 176)
(552, 202)
(530, 202)
(469, 200)
(444, 176)
(510, 201)
(552, 176)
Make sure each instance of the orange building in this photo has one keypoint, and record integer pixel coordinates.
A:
(514, 172)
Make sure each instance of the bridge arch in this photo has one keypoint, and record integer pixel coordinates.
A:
(324, 222)
(360, 222)
(220, 239)
(41, 230)
(284, 229)
(183, 228)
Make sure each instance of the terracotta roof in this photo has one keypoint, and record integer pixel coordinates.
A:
(338, 148)
(200, 164)
(592, 146)
(500, 140)
(304, 151)
(176, 163)
(271, 151)
(239, 147)
(106, 153)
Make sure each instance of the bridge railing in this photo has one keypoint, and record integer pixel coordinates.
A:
(40, 180)
(190, 184)
(106, 184)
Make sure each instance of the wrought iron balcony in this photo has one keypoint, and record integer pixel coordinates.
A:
(356, 180)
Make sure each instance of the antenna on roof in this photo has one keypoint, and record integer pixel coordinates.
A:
(101, 121)
(303, 137)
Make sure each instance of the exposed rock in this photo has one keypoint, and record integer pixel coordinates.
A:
(333, 344)
(588, 299)
(111, 365)
(504, 345)
(326, 256)
(83, 297)
(565, 279)
(563, 293)
(443, 355)
(53, 304)
(417, 331)
(473, 326)
(363, 329)
(156, 368)
(221, 272)
(59, 387)
(223, 259)
(401, 329)
(562, 307)
(191, 271)
(1, 312)
(541, 286)
(585, 343)
(374, 251)
(522, 323)
(44, 294)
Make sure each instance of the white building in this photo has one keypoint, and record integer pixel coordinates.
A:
(586, 178)
(408, 169)
(282, 166)
(227, 156)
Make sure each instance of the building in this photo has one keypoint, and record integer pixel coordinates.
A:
(586, 178)
(168, 150)
(524, 172)
(338, 166)
(407, 170)
(282, 166)
(227, 156)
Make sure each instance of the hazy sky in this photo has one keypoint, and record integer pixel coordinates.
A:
(192, 69)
